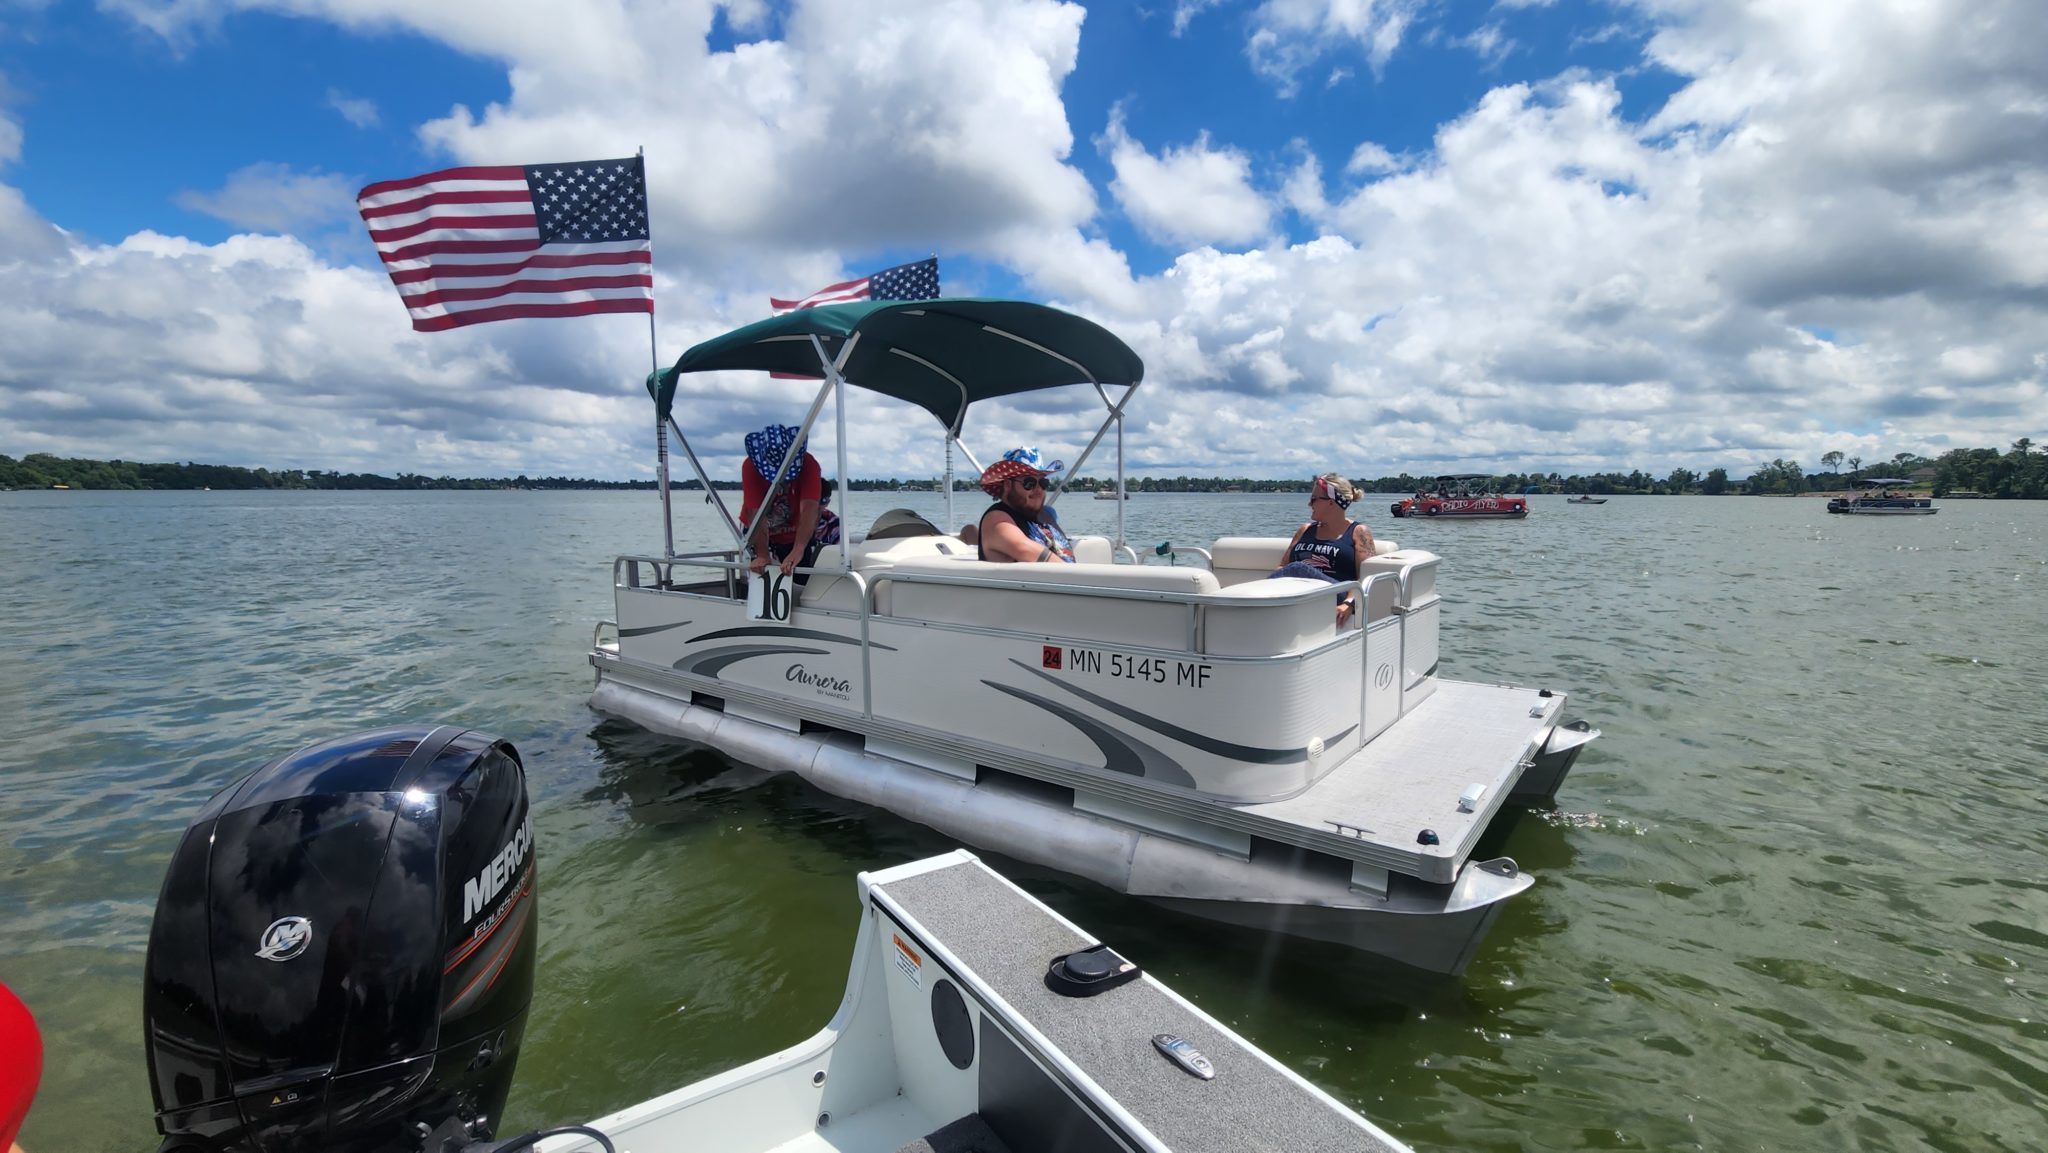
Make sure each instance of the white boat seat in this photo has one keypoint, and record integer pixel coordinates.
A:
(1418, 566)
(828, 590)
(1106, 620)
(1093, 550)
(1237, 559)
(1258, 629)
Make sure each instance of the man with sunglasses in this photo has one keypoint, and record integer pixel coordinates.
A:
(1020, 526)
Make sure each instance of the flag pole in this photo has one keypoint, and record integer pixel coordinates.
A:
(668, 524)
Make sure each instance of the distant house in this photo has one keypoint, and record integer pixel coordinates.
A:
(1921, 475)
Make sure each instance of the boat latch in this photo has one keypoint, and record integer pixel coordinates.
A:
(1468, 799)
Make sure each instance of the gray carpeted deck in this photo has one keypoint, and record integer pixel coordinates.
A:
(970, 1134)
(1007, 940)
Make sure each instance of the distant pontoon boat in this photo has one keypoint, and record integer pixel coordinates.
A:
(1881, 500)
(1465, 496)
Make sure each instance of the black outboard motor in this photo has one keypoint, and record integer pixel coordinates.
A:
(343, 951)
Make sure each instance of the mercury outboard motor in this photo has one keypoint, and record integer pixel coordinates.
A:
(343, 951)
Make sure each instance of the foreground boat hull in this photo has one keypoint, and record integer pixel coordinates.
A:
(950, 1039)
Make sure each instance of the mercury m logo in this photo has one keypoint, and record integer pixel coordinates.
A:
(286, 938)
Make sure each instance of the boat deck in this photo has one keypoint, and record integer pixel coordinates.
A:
(1004, 939)
(1374, 806)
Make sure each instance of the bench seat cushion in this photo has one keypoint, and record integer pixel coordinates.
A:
(1053, 613)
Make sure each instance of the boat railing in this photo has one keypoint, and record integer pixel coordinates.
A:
(627, 574)
(626, 570)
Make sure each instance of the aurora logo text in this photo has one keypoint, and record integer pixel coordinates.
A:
(835, 686)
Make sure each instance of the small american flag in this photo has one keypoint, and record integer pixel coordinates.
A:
(919, 281)
(473, 245)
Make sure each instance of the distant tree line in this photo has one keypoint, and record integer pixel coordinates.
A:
(2018, 473)
(41, 470)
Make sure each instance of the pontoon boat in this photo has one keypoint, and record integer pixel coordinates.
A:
(1878, 499)
(1199, 736)
(1463, 496)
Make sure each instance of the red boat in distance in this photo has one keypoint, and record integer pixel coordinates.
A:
(1466, 496)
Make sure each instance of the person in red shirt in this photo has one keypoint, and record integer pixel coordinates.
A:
(785, 535)
(21, 1066)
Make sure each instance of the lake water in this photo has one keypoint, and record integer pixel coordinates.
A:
(1796, 899)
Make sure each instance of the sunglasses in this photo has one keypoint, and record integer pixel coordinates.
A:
(1027, 483)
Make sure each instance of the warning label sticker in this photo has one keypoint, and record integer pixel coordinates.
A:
(908, 962)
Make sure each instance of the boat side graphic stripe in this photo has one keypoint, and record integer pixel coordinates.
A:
(1221, 748)
(713, 663)
(1120, 754)
(788, 635)
(643, 630)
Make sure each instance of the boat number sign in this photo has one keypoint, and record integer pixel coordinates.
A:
(769, 594)
(1124, 666)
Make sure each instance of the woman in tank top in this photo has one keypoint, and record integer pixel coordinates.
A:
(1329, 545)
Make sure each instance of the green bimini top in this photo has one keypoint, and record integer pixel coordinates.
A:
(940, 355)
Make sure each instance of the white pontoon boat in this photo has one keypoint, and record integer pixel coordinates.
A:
(1878, 499)
(1198, 736)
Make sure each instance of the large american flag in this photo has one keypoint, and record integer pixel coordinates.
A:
(472, 245)
(919, 281)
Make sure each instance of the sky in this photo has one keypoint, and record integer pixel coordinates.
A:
(1362, 236)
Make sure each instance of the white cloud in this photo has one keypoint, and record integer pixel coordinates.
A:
(10, 132)
(1369, 158)
(23, 234)
(1190, 195)
(1489, 42)
(254, 351)
(1548, 283)
(893, 124)
(1185, 11)
(270, 197)
(357, 111)
(1289, 35)
(1552, 283)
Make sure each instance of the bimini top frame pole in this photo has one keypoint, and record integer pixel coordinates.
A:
(940, 355)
